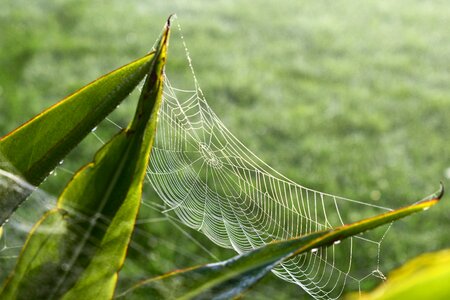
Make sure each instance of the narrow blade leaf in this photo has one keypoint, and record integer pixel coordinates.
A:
(229, 278)
(35, 148)
(76, 250)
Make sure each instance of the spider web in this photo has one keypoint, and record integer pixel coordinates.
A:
(214, 184)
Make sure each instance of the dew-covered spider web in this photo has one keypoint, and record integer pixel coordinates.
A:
(211, 182)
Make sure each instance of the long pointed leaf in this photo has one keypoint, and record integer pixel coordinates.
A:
(77, 249)
(35, 148)
(227, 279)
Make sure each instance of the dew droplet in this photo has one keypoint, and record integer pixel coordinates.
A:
(52, 171)
(337, 242)
(426, 208)
(61, 162)
(314, 250)
(94, 129)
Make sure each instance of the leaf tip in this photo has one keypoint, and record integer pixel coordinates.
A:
(436, 196)
(169, 19)
(441, 191)
(165, 37)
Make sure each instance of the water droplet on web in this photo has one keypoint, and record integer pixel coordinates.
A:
(52, 171)
(94, 129)
(337, 242)
(314, 250)
(61, 162)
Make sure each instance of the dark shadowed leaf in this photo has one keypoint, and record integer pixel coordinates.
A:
(76, 250)
(229, 278)
(35, 148)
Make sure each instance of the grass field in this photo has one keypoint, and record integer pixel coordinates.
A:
(347, 97)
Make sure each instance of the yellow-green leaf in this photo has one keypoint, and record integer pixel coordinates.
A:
(35, 148)
(76, 250)
(226, 279)
(425, 277)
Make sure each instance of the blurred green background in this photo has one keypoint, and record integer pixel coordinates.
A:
(346, 97)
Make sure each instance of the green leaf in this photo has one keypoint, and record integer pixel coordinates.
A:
(227, 279)
(35, 148)
(76, 250)
(425, 277)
